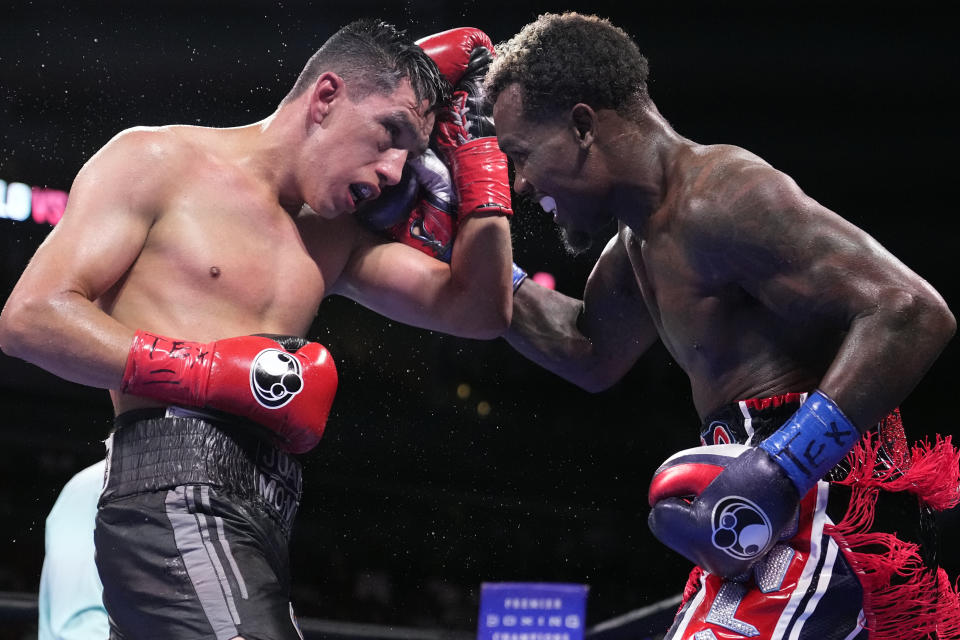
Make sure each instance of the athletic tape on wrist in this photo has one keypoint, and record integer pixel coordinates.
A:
(519, 275)
(812, 441)
(479, 169)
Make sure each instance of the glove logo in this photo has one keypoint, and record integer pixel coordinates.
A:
(740, 528)
(275, 378)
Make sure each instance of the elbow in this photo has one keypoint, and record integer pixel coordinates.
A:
(14, 329)
(492, 323)
(481, 315)
(25, 323)
(936, 318)
(945, 322)
(594, 375)
(595, 384)
(923, 312)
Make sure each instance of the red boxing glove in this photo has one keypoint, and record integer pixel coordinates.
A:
(465, 130)
(451, 50)
(288, 390)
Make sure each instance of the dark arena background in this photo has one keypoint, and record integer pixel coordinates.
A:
(447, 462)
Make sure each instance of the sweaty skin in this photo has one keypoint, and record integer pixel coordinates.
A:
(753, 287)
(199, 234)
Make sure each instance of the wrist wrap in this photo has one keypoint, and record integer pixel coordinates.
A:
(519, 275)
(479, 170)
(812, 441)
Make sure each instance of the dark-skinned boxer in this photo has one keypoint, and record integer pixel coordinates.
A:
(799, 333)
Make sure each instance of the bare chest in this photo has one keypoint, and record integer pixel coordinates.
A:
(727, 342)
(692, 311)
(216, 265)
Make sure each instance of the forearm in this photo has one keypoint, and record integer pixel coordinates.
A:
(544, 329)
(68, 336)
(885, 354)
(479, 299)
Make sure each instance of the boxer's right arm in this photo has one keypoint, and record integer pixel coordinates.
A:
(50, 318)
(591, 342)
(284, 383)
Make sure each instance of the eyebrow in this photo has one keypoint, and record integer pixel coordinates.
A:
(509, 146)
(400, 120)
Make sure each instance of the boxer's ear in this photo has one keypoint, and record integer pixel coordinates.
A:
(584, 121)
(327, 88)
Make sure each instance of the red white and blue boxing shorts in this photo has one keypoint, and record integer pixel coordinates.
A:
(862, 563)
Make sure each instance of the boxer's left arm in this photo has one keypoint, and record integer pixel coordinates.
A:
(469, 297)
(810, 267)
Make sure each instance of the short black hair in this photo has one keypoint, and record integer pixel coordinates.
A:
(560, 60)
(373, 56)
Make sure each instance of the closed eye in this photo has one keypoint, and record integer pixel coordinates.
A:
(402, 134)
(391, 136)
(394, 132)
(518, 160)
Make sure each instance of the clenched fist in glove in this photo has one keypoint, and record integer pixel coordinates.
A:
(744, 499)
(465, 129)
(284, 383)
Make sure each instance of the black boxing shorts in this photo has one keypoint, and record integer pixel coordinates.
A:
(862, 564)
(193, 527)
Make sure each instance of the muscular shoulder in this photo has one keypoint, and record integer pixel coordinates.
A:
(724, 188)
(742, 219)
(149, 147)
(142, 166)
(138, 159)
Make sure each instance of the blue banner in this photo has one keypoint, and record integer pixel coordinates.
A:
(532, 611)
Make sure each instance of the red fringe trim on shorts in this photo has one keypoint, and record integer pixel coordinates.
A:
(902, 597)
(691, 587)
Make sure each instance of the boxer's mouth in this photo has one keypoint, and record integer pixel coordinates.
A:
(548, 204)
(361, 192)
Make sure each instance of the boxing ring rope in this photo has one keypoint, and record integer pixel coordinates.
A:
(651, 621)
(646, 623)
(18, 607)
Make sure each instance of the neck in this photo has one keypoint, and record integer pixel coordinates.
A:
(267, 149)
(644, 151)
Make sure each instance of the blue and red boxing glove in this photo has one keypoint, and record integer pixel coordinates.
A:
(724, 514)
(284, 383)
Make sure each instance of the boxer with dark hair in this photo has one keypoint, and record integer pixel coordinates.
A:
(799, 333)
(188, 266)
